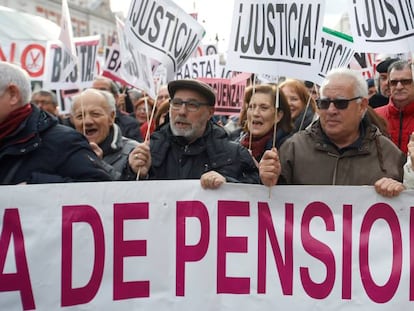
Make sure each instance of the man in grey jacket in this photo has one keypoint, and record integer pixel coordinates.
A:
(93, 114)
(342, 147)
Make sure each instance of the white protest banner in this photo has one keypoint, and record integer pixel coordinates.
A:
(200, 67)
(112, 66)
(229, 95)
(30, 55)
(57, 61)
(135, 66)
(162, 30)
(336, 51)
(382, 26)
(159, 73)
(65, 100)
(279, 38)
(170, 245)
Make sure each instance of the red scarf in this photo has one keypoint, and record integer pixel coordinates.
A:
(13, 120)
(257, 144)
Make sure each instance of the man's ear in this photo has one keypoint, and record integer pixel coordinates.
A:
(14, 94)
(113, 114)
(211, 111)
(364, 106)
(279, 116)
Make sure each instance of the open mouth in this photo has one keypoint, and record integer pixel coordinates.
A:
(257, 123)
(90, 132)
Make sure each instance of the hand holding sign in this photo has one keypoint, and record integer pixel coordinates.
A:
(269, 167)
(139, 159)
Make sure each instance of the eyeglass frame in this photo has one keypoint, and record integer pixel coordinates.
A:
(339, 103)
(404, 82)
(194, 104)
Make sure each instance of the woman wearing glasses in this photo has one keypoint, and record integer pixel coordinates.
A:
(342, 147)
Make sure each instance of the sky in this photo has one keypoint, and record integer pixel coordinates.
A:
(216, 16)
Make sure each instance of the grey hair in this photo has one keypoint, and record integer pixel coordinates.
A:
(109, 98)
(135, 95)
(13, 74)
(360, 85)
(399, 65)
(47, 93)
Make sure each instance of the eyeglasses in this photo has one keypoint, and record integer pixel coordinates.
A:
(404, 82)
(191, 105)
(339, 103)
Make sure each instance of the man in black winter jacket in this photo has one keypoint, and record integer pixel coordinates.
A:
(190, 146)
(34, 148)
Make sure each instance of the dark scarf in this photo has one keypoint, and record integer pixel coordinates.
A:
(13, 120)
(257, 144)
(106, 145)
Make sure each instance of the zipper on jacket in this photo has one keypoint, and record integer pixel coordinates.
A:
(336, 167)
(400, 129)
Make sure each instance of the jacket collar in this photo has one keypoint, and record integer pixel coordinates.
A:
(393, 109)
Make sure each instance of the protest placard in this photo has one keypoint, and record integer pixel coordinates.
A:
(229, 95)
(279, 38)
(163, 31)
(201, 67)
(56, 63)
(135, 66)
(336, 51)
(30, 55)
(382, 26)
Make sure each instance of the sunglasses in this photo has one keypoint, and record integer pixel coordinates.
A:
(339, 103)
(404, 82)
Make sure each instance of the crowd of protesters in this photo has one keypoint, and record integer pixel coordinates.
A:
(347, 131)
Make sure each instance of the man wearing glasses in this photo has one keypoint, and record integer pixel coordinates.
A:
(399, 112)
(341, 148)
(191, 146)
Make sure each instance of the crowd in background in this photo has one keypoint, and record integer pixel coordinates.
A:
(124, 134)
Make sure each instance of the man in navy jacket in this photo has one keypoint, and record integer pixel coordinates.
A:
(34, 148)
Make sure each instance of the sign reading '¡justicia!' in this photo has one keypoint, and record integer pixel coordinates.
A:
(112, 247)
(287, 31)
(375, 24)
(163, 31)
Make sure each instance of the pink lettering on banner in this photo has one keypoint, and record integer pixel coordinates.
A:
(377, 293)
(87, 214)
(122, 249)
(411, 253)
(19, 281)
(318, 250)
(189, 253)
(284, 264)
(347, 252)
(227, 244)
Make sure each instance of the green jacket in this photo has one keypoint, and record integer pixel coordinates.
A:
(308, 158)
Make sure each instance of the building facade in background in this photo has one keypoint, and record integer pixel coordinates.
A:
(91, 17)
